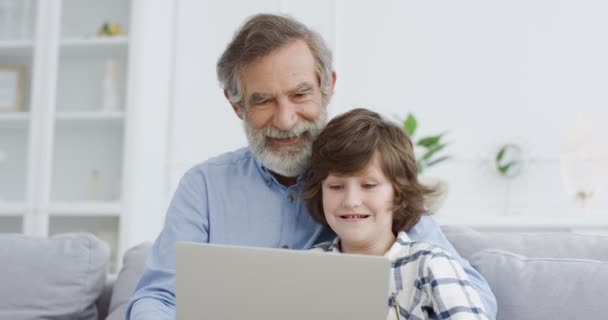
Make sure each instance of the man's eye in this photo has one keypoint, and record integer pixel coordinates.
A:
(260, 103)
(299, 96)
(369, 185)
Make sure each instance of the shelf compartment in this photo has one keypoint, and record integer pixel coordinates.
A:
(80, 83)
(11, 224)
(87, 163)
(86, 208)
(13, 159)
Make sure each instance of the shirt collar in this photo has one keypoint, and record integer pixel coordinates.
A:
(393, 253)
(396, 250)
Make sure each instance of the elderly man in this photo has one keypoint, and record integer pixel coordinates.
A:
(277, 75)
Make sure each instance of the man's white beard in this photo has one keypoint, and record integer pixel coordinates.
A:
(288, 161)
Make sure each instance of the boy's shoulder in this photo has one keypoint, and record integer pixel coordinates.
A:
(417, 250)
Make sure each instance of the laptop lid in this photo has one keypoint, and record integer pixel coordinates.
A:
(231, 282)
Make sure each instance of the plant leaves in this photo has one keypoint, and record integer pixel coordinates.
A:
(506, 167)
(438, 160)
(410, 124)
(429, 141)
(501, 153)
(433, 150)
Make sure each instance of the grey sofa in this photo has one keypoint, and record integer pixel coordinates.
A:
(534, 276)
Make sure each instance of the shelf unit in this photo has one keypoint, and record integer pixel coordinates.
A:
(63, 153)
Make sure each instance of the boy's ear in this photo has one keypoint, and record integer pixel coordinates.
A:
(237, 109)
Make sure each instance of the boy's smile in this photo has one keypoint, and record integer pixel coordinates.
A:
(358, 207)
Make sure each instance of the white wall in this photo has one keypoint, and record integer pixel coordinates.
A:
(490, 72)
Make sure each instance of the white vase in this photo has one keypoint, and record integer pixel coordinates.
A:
(110, 98)
(436, 200)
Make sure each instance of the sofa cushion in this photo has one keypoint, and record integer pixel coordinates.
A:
(51, 278)
(133, 266)
(542, 244)
(543, 288)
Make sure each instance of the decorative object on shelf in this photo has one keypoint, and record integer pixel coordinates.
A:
(509, 160)
(12, 82)
(94, 188)
(109, 29)
(427, 150)
(110, 99)
(583, 159)
(431, 145)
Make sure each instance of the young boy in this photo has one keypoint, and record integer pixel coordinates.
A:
(363, 184)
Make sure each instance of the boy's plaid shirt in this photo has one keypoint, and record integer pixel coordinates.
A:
(427, 282)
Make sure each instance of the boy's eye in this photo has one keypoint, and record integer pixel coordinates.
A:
(368, 185)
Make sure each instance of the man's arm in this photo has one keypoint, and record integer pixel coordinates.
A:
(187, 220)
(428, 230)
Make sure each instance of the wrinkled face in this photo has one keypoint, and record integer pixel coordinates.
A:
(283, 108)
(359, 207)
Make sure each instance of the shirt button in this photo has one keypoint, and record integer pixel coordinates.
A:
(290, 198)
(285, 246)
(268, 181)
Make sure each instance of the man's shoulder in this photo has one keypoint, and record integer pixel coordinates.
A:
(232, 158)
(240, 162)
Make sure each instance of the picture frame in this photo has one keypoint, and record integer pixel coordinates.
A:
(12, 85)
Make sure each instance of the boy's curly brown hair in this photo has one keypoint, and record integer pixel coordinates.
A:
(348, 144)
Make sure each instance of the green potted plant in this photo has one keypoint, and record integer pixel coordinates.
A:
(430, 151)
(428, 148)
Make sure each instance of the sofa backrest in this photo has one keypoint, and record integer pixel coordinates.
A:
(539, 275)
(540, 244)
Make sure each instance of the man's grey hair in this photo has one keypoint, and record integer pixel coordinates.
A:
(257, 37)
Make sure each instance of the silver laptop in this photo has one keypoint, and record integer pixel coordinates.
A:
(220, 282)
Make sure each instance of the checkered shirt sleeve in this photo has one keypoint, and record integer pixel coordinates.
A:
(430, 284)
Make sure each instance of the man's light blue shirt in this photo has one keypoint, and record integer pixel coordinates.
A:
(232, 199)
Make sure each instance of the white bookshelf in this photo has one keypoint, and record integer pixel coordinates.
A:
(63, 170)
(69, 164)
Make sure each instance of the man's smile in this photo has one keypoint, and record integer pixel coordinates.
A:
(286, 141)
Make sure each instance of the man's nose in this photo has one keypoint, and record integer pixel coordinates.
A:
(285, 116)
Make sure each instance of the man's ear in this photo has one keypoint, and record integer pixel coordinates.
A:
(333, 81)
(237, 109)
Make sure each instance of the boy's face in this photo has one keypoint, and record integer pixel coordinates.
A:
(359, 208)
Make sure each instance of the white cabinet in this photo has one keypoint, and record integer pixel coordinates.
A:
(64, 156)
